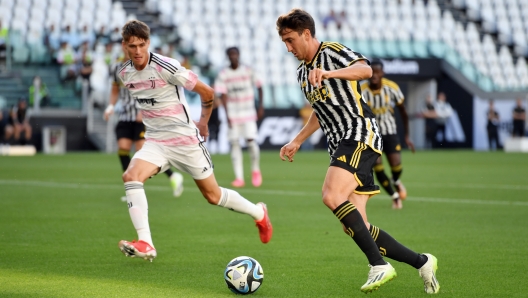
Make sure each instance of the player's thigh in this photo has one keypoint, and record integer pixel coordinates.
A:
(339, 183)
(194, 160)
(124, 144)
(234, 132)
(249, 130)
(150, 160)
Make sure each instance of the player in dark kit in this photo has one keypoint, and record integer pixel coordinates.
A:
(519, 119)
(382, 95)
(328, 75)
(130, 129)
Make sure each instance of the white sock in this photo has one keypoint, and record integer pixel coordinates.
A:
(138, 209)
(254, 155)
(232, 200)
(236, 159)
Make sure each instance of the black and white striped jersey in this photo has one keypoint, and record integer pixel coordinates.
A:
(382, 104)
(340, 109)
(127, 111)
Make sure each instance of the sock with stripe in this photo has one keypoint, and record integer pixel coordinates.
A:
(138, 209)
(168, 173)
(391, 248)
(356, 228)
(236, 159)
(396, 172)
(232, 200)
(384, 181)
(254, 155)
(124, 158)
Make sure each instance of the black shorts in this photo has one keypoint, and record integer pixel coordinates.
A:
(357, 158)
(131, 130)
(518, 128)
(391, 144)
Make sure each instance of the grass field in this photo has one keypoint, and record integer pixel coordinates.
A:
(61, 218)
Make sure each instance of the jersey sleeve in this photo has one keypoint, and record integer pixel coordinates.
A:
(255, 78)
(115, 78)
(343, 56)
(220, 86)
(174, 73)
(396, 95)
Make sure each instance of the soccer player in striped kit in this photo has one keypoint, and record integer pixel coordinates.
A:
(236, 84)
(382, 95)
(328, 75)
(157, 85)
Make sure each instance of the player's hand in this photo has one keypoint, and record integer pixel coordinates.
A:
(108, 111)
(204, 130)
(409, 143)
(288, 151)
(316, 77)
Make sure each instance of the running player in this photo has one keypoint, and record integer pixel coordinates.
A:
(382, 95)
(130, 130)
(236, 84)
(328, 75)
(157, 85)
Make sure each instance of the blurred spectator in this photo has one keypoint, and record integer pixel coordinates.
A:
(443, 111)
(52, 40)
(331, 17)
(87, 35)
(305, 112)
(493, 127)
(519, 119)
(18, 123)
(66, 58)
(4, 33)
(71, 37)
(115, 36)
(85, 59)
(42, 91)
(102, 36)
(430, 116)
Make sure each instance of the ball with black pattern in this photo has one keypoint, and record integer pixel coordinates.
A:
(243, 275)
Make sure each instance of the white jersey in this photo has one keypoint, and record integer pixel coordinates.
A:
(158, 92)
(239, 86)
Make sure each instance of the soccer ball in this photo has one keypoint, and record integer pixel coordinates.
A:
(243, 275)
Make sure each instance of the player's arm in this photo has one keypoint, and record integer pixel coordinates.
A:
(114, 95)
(223, 100)
(206, 94)
(260, 103)
(288, 151)
(405, 120)
(357, 71)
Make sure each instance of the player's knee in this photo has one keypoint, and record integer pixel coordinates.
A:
(128, 176)
(329, 200)
(212, 197)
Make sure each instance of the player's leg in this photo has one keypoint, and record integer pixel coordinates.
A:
(379, 170)
(145, 163)
(341, 181)
(196, 161)
(26, 127)
(250, 133)
(236, 155)
(124, 136)
(16, 132)
(8, 133)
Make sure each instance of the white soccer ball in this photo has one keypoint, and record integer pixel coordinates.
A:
(243, 275)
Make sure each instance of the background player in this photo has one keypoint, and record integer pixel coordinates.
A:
(130, 129)
(157, 84)
(382, 95)
(328, 76)
(236, 84)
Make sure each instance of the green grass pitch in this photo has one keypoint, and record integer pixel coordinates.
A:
(61, 218)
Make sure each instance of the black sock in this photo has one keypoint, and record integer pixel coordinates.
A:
(396, 172)
(168, 173)
(124, 157)
(391, 248)
(356, 228)
(383, 179)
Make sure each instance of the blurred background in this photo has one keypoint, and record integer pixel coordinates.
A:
(57, 54)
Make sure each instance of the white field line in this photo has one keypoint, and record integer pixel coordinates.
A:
(50, 184)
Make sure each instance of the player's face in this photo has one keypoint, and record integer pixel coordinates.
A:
(233, 56)
(137, 50)
(377, 74)
(296, 43)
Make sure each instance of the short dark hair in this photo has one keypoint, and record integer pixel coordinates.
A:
(232, 49)
(297, 20)
(376, 62)
(135, 28)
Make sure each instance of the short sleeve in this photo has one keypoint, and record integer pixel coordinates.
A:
(255, 78)
(174, 73)
(219, 84)
(397, 95)
(342, 56)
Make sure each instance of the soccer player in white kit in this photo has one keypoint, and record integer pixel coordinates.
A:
(156, 83)
(236, 84)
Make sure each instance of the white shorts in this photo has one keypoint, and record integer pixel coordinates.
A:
(247, 130)
(191, 159)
